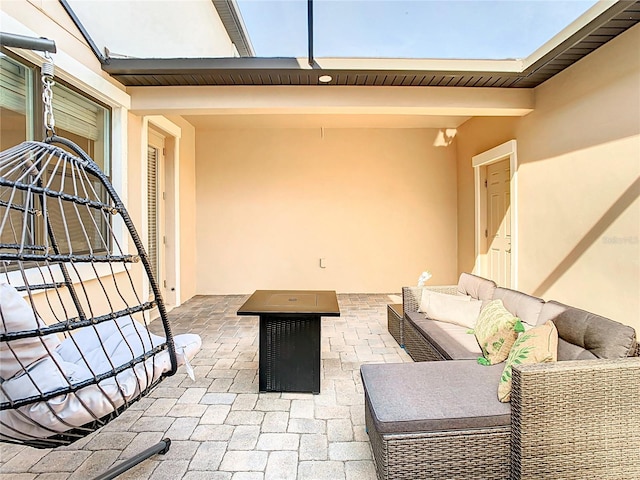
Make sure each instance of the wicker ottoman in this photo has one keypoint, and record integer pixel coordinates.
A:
(428, 421)
(395, 322)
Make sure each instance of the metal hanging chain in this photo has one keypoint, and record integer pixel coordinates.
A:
(47, 95)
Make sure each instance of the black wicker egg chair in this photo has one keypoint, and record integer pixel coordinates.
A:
(77, 294)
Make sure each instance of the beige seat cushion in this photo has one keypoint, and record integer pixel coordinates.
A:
(450, 340)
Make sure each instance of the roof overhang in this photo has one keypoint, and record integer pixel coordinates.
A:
(233, 23)
(603, 22)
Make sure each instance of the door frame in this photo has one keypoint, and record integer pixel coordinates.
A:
(480, 163)
(156, 140)
(172, 134)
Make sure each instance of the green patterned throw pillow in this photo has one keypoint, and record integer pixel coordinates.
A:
(496, 330)
(538, 345)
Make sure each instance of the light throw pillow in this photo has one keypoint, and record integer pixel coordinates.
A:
(427, 295)
(537, 345)
(496, 330)
(457, 309)
(16, 315)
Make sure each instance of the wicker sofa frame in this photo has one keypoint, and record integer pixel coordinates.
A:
(418, 347)
(395, 323)
(569, 420)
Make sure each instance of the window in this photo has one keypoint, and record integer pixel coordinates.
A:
(84, 122)
(78, 118)
(16, 102)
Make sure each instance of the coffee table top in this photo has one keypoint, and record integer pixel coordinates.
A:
(316, 302)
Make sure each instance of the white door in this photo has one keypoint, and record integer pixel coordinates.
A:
(155, 208)
(498, 228)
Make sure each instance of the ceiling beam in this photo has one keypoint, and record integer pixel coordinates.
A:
(337, 100)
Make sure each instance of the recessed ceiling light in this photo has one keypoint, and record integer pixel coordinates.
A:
(325, 78)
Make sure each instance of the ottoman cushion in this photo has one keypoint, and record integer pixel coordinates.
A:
(434, 396)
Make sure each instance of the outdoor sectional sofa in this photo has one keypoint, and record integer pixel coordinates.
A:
(577, 418)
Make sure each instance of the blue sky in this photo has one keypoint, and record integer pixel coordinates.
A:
(492, 29)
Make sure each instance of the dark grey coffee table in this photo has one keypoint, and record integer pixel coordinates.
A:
(290, 336)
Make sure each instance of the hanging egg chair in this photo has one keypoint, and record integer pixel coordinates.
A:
(77, 294)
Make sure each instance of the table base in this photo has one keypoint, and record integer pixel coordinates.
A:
(289, 353)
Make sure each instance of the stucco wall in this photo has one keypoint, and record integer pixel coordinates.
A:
(151, 28)
(187, 213)
(579, 156)
(378, 204)
(133, 195)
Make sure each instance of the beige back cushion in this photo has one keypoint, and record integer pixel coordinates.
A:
(521, 305)
(477, 287)
(584, 335)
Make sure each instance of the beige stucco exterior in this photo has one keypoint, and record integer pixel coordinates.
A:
(139, 28)
(187, 212)
(258, 206)
(581, 237)
(378, 204)
(578, 182)
(76, 64)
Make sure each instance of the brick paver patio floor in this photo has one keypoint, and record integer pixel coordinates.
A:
(220, 426)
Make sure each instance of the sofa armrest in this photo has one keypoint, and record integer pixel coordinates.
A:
(576, 418)
(411, 299)
(411, 295)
